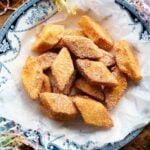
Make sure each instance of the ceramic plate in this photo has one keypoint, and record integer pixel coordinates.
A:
(28, 17)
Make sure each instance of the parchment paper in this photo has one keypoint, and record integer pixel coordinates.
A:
(132, 112)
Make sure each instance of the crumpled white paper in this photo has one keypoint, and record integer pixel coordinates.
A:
(132, 112)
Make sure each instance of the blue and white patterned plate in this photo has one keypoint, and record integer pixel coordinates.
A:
(14, 38)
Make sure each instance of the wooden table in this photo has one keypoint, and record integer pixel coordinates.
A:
(142, 142)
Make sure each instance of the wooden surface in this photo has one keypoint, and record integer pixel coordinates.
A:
(142, 142)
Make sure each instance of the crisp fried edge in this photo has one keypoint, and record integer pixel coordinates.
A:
(67, 88)
(39, 48)
(78, 86)
(75, 32)
(53, 115)
(99, 53)
(61, 44)
(108, 125)
(40, 79)
(122, 85)
(98, 41)
(46, 87)
(130, 74)
(111, 62)
(49, 55)
(90, 80)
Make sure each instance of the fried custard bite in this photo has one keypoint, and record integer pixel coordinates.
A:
(96, 33)
(93, 112)
(96, 72)
(57, 106)
(127, 61)
(63, 71)
(32, 77)
(113, 94)
(46, 59)
(46, 86)
(91, 90)
(48, 37)
(82, 47)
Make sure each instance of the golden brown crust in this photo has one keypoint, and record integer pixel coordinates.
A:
(113, 95)
(82, 47)
(63, 71)
(32, 77)
(104, 44)
(75, 32)
(90, 90)
(96, 33)
(69, 32)
(93, 112)
(48, 37)
(46, 87)
(67, 88)
(58, 106)
(96, 72)
(107, 58)
(127, 61)
(40, 45)
(47, 112)
(46, 59)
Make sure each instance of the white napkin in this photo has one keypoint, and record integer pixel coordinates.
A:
(132, 112)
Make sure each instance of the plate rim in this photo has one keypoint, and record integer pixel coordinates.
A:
(4, 29)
